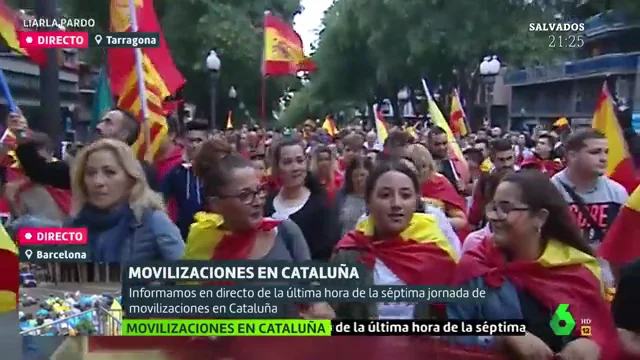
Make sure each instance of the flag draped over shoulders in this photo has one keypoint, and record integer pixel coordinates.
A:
(437, 187)
(621, 243)
(208, 240)
(562, 275)
(419, 255)
(10, 269)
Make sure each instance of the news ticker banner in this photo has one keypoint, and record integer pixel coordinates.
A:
(83, 40)
(262, 289)
(178, 327)
(53, 245)
(274, 301)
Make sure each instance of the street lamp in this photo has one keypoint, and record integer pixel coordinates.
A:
(213, 64)
(489, 69)
(232, 93)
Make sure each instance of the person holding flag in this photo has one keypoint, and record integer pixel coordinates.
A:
(448, 166)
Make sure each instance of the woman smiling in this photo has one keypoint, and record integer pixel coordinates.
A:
(536, 260)
(397, 245)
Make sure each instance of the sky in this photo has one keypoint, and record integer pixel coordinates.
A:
(308, 23)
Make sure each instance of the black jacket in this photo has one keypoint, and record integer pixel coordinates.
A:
(58, 174)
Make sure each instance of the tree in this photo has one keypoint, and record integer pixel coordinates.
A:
(193, 27)
(371, 48)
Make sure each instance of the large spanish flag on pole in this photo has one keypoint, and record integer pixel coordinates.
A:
(621, 244)
(619, 163)
(10, 269)
(457, 117)
(10, 26)
(122, 60)
(283, 49)
(455, 152)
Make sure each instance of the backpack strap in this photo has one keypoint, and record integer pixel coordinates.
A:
(582, 207)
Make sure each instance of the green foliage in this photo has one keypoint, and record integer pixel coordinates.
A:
(193, 27)
(371, 48)
(85, 327)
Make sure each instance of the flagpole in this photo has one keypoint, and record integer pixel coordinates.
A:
(141, 87)
(7, 93)
(263, 85)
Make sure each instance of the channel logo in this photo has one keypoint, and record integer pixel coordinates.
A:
(52, 236)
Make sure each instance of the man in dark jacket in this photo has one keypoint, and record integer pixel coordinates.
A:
(181, 183)
(116, 124)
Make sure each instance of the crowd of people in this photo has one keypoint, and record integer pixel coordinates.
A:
(523, 213)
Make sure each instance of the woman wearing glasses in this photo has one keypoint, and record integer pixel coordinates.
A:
(235, 227)
(535, 260)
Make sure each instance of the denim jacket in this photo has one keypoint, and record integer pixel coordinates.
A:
(153, 237)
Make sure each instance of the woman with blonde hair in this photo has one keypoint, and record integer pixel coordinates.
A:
(125, 219)
(437, 190)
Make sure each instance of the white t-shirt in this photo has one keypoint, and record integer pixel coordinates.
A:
(382, 275)
(284, 211)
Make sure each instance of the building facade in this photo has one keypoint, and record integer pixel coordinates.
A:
(610, 53)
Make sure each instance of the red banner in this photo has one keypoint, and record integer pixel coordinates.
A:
(303, 348)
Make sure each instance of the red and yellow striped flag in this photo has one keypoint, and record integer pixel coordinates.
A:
(122, 60)
(457, 117)
(10, 26)
(619, 163)
(329, 126)
(455, 153)
(10, 268)
(381, 127)
(156, 91)
(620, 244)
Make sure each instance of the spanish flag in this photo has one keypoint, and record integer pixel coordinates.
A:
(438, 191)
(621, 243)
(122, 60)
(561, 124)
(457, 118)
(419, 255)
(329, 126)
(381, 127)
(455, 153)
(10, 270)
(283, 49)
(619, 163)
(561, 275)
(156, 91)
(10, 26)
(208, 240)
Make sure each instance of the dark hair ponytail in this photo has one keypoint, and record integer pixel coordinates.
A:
(214, 163)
